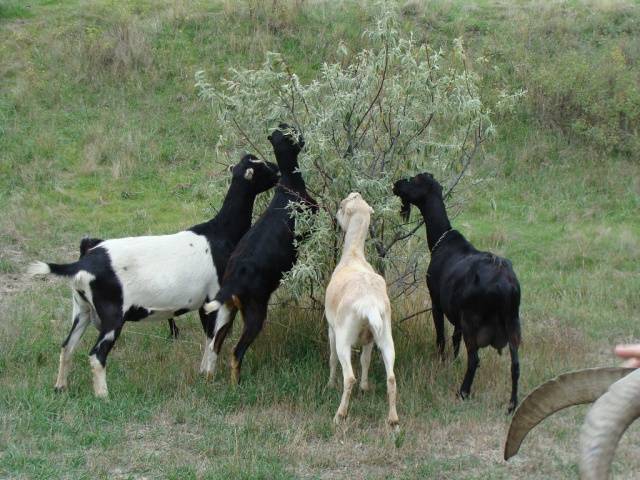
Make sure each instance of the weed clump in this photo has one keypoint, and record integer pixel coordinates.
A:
(118, 50)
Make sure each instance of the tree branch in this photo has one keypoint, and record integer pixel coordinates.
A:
(246, 137)
(375, 99)
(404, 319)
(465, 165)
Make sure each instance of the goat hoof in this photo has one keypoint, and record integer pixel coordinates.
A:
(365, 387)
(59, 388)
(512, 407)
(394, 423)
(463, 395)
(339, 418)
(331, 384)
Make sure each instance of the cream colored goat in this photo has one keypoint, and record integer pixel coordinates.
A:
(357, 308)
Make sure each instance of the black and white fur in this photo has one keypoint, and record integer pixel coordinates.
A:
(154, 277)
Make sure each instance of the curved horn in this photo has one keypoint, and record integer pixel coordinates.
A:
(257, 160)
(573, 388)
(605, 423)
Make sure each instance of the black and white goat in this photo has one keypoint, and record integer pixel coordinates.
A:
(88, 243)
(263, 255)
(477, 291)
(154, 277)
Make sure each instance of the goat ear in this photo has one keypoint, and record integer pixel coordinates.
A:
(248, 174)
(349, 209)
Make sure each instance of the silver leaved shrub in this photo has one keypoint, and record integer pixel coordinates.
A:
(396, 108)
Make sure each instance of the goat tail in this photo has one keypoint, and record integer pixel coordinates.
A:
(221, 298)
(211, 306)
(511, 318)
(63, 270)
(511, 321)
(373, 316)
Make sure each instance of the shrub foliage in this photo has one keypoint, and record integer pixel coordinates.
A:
(392, 109)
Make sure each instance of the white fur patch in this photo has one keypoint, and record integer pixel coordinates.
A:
(38, 268)
(164, 273)
(248, 173)
(211, 306)
(107, 338)
(210, 361)
(82, 281)
(99, 377)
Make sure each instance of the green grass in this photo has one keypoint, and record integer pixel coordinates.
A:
(101, 133)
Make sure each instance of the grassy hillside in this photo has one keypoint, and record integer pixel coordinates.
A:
(101, 133)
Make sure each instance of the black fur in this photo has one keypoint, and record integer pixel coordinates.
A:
(136, 313)
(267, 250)
(477, 291)
(73, 326)
(88, 243)
(222, 233)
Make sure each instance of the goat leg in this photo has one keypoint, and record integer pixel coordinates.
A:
(455, 338)
(472, 364)
(343, 349)
(174, 331)
(333, 359)
(81, 318)
(515, 375)
(438, 322)
(365, 361)
(98, 359)
(254, 315)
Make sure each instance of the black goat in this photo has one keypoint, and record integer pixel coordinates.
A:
(477, 291)
(261, 258)
(154, 277)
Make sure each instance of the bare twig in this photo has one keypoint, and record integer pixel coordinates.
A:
(466, 159)
(375, 99)
(404, 275)
(304, 102)
(413, 315)
(246, 137)
(418, 132)
(401, 236)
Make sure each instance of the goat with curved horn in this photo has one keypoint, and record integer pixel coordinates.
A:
(566, 390)
(617, 391)
(605, 423)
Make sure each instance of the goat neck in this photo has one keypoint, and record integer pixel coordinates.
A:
(291, 178)
(355, 236)
(234, 217)
(435, 218)
(292, 181)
